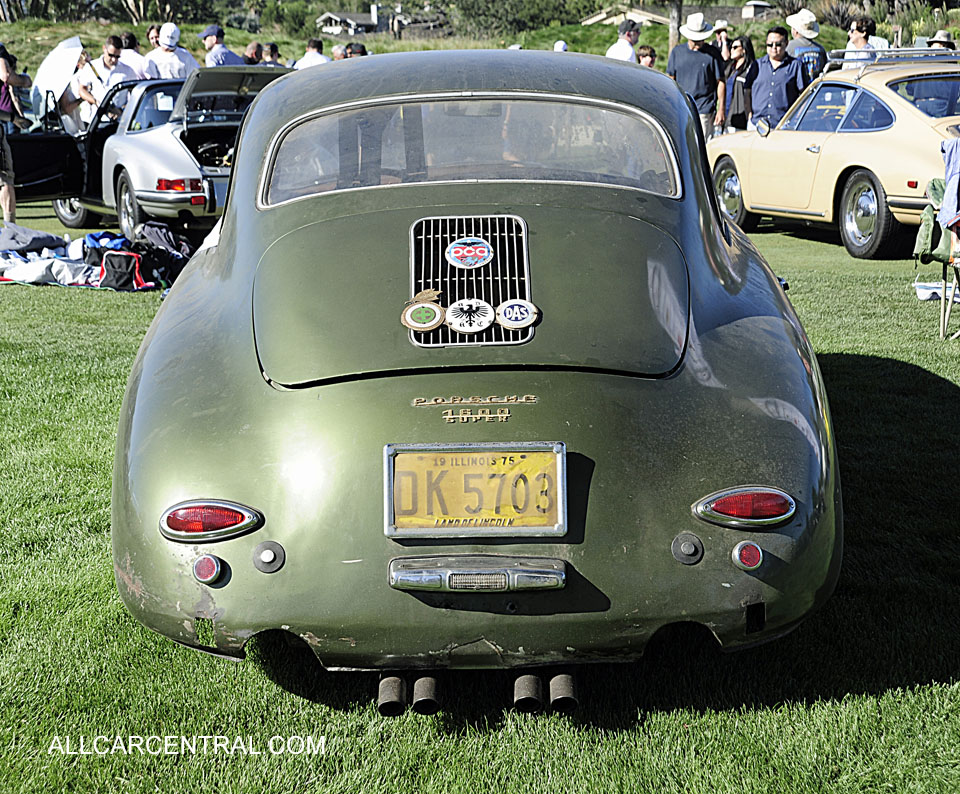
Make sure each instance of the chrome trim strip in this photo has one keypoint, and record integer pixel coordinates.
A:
(253, 519)
(274, 143)
(703, 509)
(757, 207)
(908, 203)
(494, 573)
(557, 530)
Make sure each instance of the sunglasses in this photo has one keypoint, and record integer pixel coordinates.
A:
(111, 55)
(776, 44)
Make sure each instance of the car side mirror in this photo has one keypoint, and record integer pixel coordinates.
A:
(763, 127)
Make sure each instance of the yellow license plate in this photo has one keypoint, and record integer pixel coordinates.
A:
(484, 490)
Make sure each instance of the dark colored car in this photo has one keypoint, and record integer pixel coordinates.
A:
(474, 374)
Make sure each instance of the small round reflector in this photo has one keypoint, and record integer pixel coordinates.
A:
(206, 569)
(747, 555)
(748, 506)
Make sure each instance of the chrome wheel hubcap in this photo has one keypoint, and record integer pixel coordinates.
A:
(727, 185)
(860, 214)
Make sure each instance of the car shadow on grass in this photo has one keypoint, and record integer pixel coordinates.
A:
(891, 622)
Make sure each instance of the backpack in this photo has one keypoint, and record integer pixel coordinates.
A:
(120, 270)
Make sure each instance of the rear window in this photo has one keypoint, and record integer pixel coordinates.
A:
(935, 95)
(469, 140)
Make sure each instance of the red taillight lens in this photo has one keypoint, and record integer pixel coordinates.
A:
(196, 185)
(171, 184)
(753, 504)
(206, 569)
(203, 518)
(197, 200)
(749, 506)
(912, 183)
(200, 521)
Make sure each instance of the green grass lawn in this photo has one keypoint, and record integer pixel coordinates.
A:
(864, 697)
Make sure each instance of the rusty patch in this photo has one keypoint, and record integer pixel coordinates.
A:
(126, 575)
(312, 639)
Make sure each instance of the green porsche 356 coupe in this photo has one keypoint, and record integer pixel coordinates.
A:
(474, 374)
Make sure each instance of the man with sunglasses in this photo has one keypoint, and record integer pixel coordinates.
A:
(780, 80)
(99, 76)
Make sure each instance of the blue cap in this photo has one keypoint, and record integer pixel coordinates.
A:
(211, 30)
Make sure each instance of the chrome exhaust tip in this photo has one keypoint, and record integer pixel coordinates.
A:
(392, 696)
(425, 695)
(563, 693)
(528, 694)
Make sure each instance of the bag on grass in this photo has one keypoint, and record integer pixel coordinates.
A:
(120, 270)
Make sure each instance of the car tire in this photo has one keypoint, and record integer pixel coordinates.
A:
(73, 215)
(129, 213)
(726, 184)
(865, 221)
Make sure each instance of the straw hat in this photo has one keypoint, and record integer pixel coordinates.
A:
(805, 23)
(697, 28)
(720, 24)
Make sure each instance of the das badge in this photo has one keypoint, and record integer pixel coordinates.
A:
(470, 315)
(516, 314)
(421, 313)
(469, 253)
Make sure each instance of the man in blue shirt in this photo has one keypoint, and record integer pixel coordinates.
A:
(780, 80)
(217, 52)
(698, 69)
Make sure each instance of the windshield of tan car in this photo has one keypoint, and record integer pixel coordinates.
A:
(468, 140)
(936, 95)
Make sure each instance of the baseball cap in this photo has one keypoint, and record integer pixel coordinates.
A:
(211, 30)
(628, 26)
(169, 35)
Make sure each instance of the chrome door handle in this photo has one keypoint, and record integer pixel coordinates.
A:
(813, 148)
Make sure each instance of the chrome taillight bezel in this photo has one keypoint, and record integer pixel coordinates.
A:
(703, 509)
(252, 520)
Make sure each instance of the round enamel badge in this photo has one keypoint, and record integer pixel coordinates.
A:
(422, 316)
(470, 315)
(516, 314)
(469, 253)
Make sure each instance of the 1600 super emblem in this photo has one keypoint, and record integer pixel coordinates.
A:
(469, 253)
(470, 315)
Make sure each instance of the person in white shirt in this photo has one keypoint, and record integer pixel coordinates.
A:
(171, 61)
(99, 76)
(623, 48)
(313, 56)
(130, 55)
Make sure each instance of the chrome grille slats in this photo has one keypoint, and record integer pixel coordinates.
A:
(505, 277)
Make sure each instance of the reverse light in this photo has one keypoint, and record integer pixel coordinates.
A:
(202, 521)
(747, 555)
(747, 507)
(194, 185)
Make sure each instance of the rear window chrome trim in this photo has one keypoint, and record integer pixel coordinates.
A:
(274, 144)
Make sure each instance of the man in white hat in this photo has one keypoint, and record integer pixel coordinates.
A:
(721, 29)
(804, 28)
(698, 70)
(172, 61)
(623, 48)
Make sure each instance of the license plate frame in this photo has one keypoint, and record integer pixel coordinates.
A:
(556, 529)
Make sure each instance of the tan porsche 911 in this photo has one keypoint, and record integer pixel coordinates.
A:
(856, 149)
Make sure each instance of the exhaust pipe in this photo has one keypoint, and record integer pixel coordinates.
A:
(425, 695)
(563, 693)
(392, 696)
(528, 694)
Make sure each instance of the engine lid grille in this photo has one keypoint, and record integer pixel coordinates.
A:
(505, 277)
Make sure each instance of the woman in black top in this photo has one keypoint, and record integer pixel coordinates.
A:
(740, 73)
